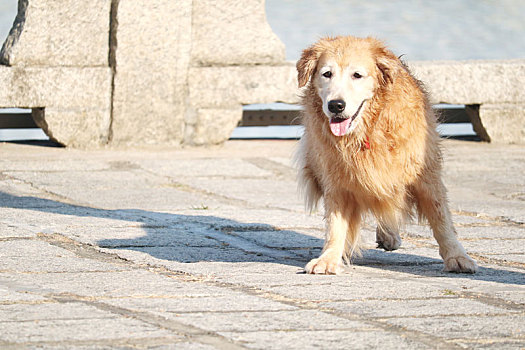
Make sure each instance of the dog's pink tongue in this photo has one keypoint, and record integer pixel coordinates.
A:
(340, 128)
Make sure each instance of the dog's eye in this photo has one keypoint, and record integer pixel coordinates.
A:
(327, 74)
(357, 75)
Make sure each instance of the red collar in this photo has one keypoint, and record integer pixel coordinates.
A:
(367, 143)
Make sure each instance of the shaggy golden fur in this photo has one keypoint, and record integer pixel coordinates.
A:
(370, 145)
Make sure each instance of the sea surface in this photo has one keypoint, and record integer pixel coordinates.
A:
(417, 29)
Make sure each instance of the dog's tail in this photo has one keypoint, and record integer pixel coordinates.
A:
(307, 183)
(309, 188)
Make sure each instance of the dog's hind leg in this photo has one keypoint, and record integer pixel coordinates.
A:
(432, 203)
(387, 237)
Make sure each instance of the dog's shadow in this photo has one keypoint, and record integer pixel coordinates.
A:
(207, 238)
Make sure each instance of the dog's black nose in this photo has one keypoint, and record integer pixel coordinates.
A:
(336, 106)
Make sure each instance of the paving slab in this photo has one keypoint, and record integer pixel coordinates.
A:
(330, 339)
(79, 330)
(34, 256)
(467, 326)
(439, 306)
(204, 248)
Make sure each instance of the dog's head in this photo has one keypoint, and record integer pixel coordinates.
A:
(346, 73)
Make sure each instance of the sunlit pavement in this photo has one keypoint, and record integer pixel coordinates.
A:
(203, 248)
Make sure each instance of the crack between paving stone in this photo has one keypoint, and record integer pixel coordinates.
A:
(50, 195)
(488, 300)
(498, 219)
(26, 302)
(486, 341)
(219, 197)
(57, 272)
(481, 239)
(500, 262)
(476, 256)
(279, 170)
(417, 336)
(94, 318)
(194, 333)
(81, 250)
(477, 315)
(112, 343)
(11, 239)
(226, 312)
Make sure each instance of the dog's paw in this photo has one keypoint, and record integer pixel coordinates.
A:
(388, 241)
(324, 266)
(460, 264)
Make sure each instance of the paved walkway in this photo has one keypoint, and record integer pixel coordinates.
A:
(204, 249)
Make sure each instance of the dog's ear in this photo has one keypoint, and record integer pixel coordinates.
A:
(307, 64)
(388, 65)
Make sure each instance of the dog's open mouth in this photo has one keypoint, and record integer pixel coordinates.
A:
(340, 125)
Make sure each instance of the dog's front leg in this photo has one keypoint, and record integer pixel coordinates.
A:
(330, 260)
(341, 234)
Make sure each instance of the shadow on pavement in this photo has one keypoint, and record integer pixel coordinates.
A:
(201, 238)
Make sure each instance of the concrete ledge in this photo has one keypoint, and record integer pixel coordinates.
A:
(497, 86)
(473, 82)
(223, 86)
(75, 87)
(141, 72)
(77, 101)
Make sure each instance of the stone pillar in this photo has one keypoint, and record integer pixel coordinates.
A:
(232, 43)
(170, 57)
(152, 56)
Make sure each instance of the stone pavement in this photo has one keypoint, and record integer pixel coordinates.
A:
(204, 249)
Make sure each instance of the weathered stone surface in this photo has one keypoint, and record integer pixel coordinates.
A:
(73, 87)
(74, 128)
(36, 332)
(75, 101)
(473, 82)
(495, 85)
(212, 125)
(307, 339)
(125, 187)
(32, 256)
(58, 33)
(416, 307)
(465, 326)
(216, 95)
(152, 59)
(220, 86)
(172, 307)
(504, 123)
(233, 32)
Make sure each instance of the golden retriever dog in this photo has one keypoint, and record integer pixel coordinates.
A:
(370, 145)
